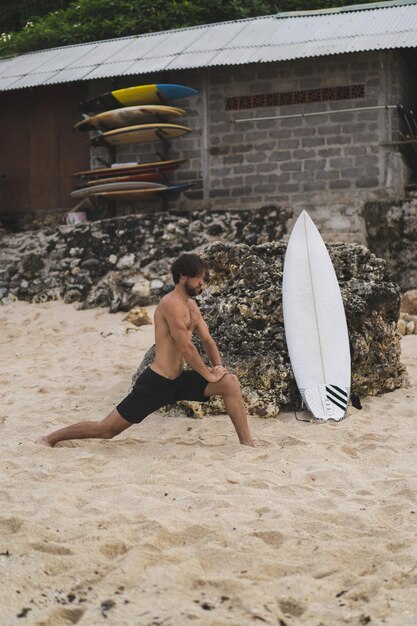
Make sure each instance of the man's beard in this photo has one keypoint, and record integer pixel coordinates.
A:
(191, 291)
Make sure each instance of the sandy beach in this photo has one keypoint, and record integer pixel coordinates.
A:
(174, 522)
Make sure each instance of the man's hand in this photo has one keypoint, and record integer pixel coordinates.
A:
(217, 373)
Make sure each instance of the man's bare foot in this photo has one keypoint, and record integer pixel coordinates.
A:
(248, 443)
(43, 441)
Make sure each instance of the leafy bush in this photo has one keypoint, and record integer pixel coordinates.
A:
(93, 20)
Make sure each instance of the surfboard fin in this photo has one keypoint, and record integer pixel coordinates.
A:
(356, 402)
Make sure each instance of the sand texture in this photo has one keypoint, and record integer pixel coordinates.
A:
(174, 522)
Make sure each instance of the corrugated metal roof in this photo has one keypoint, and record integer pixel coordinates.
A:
(264, 39)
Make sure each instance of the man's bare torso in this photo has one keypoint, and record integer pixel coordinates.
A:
(170, 311)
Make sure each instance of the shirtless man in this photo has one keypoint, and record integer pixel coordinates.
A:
(177, 316)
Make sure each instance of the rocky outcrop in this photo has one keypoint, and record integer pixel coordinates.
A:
(243, 307)
(409, 302)
(407, 324)
(392, 234)
(120, 262)
(124, 261)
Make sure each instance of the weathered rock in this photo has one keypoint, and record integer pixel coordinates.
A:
(402, 327)
(126, 262)
(138, 316)
(243, 308)
(31, 264)
(411, 327)
(140, 292)
(392, 234)
(407, 324)
(156, 284)
(409, 302)
(72, 295)
(92, 265)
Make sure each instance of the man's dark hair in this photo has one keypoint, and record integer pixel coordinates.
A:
(188, 264)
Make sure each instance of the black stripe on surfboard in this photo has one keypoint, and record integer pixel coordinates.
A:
(341, 391)
(341, 406)
(340, 402)
(336, 391)
(101, 103)
(331, 393)
(339, 396)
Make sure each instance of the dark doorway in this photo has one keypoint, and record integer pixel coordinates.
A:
(39, 150)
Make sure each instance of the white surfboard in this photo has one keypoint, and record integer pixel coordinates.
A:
(315, 323)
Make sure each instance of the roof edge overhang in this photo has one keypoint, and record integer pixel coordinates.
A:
(242, 55)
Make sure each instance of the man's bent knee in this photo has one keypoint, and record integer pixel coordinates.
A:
(231, 383)
(227, 385)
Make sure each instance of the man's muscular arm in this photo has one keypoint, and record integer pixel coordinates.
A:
(207, 340)
(175, 318)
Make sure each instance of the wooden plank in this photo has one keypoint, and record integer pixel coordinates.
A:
(40, 150)
(74, 149)
(14, 154)
(44, 153)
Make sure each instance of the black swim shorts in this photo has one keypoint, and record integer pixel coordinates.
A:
(151, 391)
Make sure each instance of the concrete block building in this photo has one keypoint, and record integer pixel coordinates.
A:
(314, 110)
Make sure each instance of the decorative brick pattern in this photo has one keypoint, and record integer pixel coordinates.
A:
(304, 96)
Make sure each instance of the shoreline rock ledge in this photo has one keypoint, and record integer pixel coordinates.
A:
(242, 305)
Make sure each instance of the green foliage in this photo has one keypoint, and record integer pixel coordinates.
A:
(93, 20)
(14, 15)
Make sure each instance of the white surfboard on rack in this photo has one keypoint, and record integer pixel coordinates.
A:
(315, 323)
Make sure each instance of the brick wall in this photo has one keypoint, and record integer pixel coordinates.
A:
(329, 164)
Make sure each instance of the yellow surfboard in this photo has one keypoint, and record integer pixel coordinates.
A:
(142, 94)
(146, 94)
(141, 134)
(128, 116)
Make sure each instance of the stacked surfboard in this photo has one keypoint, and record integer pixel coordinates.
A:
(140, 114)
(133, 181)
